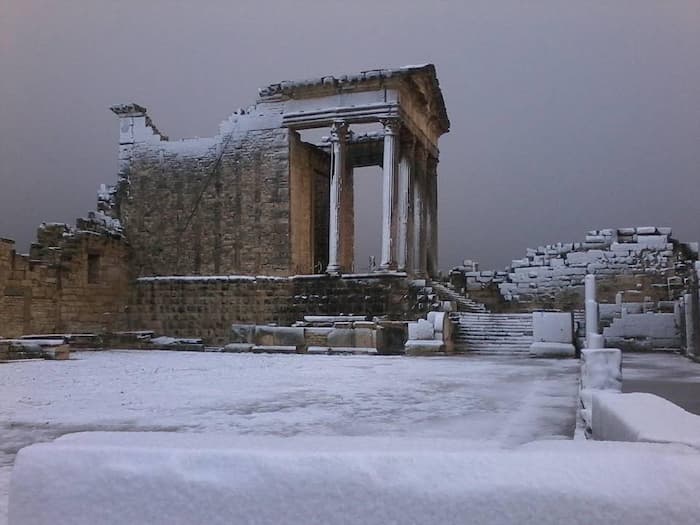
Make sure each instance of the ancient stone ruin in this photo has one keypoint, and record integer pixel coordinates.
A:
(255, 227)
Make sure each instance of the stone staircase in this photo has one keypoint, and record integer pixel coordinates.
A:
(487, 333)
(464, 304)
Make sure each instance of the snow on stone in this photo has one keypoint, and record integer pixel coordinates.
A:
(171, 479)
(165, 340)
(643, 417)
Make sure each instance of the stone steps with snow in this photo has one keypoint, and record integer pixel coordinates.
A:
(498, 334)
(464, 303)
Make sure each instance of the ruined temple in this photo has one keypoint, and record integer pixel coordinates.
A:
(252, 225)
(208, 237)
(258, 200)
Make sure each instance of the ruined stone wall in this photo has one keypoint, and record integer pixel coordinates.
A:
(210, 206)
(645, 263)
(72, 281)
(207, 306)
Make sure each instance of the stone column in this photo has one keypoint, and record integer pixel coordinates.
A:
(404, 226)
(593, 338)
(347, 220)
(431, 184)
(420, 211)
(338, 165)
(389, 169)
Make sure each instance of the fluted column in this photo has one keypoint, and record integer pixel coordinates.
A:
(403, 246)
(338, 166)
(420, 213)
(391, 134)
(431, 183)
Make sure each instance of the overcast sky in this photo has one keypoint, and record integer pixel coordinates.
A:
(566, 115)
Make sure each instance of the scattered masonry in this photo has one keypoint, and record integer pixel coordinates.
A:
(646, 261)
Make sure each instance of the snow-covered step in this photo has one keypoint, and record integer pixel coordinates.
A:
(492, 333)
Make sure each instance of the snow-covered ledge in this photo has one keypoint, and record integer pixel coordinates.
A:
(168, 478)
(601, 370)
(643, 417)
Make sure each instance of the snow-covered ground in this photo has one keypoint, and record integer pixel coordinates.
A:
(506, 401)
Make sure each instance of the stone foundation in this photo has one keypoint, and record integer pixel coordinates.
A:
(207, 306)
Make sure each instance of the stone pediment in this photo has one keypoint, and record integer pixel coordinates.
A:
(419, 84)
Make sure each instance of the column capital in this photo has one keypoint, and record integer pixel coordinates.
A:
(392, 125)
(339, 131)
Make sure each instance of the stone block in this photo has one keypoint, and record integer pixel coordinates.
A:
(424, 347)
(601, 369)
(279, 336)
(421, 330)
(237, 348)
(391, 337)
(57, 353)
(317, 350)
(653, 242)
(242, 333)
(643, 417)
(646, 230)
(352, 350)
(274, 349)
(364, 337)
(553, 327)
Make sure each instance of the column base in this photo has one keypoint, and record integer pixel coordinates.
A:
(333, 269)
(387, 267)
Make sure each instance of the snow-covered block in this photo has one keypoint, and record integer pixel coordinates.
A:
(424, 347)
(646, 230)
(543, 349)
(421, 330)
(553, 327)
(601, 369)
(439, 320)
(644, 325)
(653, 242)
(643, 417)
(236, 348)
(317, 350)
(171, 478)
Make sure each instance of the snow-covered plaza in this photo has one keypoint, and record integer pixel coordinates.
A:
(506, 401)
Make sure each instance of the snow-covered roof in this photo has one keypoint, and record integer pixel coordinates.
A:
(419, 75)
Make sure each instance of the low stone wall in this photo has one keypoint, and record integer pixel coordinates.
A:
(188, 306)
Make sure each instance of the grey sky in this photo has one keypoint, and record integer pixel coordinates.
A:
(566, 115)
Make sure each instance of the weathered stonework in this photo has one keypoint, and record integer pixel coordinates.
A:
(207, 306)
(642, 262)
(255, 199)
(73, 280)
